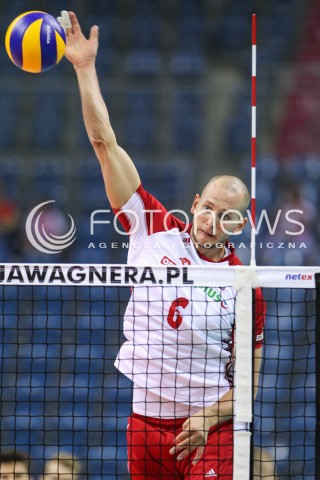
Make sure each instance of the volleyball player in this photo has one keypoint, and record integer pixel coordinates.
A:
(179, 344)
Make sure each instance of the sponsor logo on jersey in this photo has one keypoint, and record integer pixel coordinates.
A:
(214, 295)
(185, 261)
(187, 241)
(211, 473)
(167, 261)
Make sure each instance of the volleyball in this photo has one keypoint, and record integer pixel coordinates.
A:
(35, 41)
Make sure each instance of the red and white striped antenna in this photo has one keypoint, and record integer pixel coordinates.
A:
(253, 138)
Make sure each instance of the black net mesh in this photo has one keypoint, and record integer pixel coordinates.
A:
(285, 407)
(60, 391)
(62, 396)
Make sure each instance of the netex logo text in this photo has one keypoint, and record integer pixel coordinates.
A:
(299, 276)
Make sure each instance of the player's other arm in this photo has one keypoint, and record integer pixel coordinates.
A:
(223, 410)
(196, 428)
(120, 175)
(257, 367)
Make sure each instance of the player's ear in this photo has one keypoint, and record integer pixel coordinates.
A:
(195, 202)
(241, 225)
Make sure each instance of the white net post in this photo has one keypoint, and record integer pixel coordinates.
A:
(243, 393)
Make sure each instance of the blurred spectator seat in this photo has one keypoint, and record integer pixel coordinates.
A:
(145, 30)
(140, 119)
(9, 125)
(47, 128)
(187, 119)
(142, 61)
(188, 62)
(190, 31)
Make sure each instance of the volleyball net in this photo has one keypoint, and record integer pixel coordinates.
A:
(61, 330)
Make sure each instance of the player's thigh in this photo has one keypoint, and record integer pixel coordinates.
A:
(148, 452)
(217, 459)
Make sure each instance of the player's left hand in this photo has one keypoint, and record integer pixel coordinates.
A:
(193, 437)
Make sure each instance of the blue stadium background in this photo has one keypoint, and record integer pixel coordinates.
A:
(176, 78)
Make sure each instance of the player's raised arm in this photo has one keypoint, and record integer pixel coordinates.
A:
(120, 175)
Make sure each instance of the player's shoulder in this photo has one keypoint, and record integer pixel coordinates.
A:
(236, 260)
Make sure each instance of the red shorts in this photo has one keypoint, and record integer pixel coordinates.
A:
(150, 439)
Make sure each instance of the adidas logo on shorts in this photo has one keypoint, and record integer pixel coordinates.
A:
(211, 473)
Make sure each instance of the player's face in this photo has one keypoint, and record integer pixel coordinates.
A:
(13, 471)
(213, 211)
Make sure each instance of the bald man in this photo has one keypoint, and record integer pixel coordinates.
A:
(179, 348)
(218, 213)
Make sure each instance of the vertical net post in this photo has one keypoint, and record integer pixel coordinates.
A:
(253, 384)
(253, 138)
(317, 441)
(243, 376)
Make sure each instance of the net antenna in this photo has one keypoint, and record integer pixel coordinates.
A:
(253, 139)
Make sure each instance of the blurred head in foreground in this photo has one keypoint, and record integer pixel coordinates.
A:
(62, 466)
(14, 464)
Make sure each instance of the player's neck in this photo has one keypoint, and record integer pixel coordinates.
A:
(214, 253)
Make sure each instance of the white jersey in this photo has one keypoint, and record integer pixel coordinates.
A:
(179, 339)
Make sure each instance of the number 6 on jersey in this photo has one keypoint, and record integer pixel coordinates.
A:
(174, 316)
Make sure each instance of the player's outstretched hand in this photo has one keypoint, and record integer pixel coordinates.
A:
(80, 51)
(193, 437)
